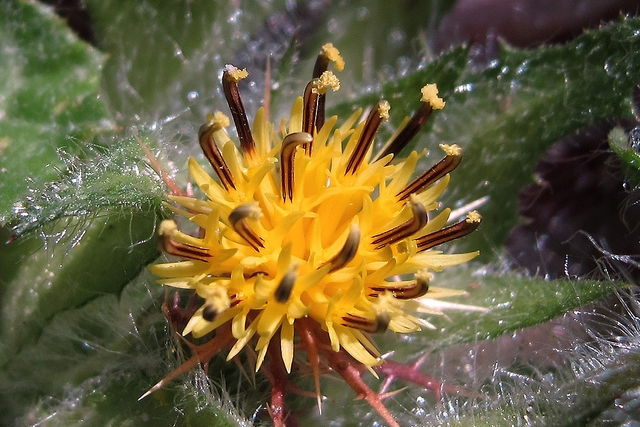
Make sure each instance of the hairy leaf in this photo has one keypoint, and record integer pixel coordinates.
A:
(48, 97)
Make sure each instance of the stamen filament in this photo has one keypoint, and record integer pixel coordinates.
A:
(238, 217)
(376, 116)
(230, 78)
(310, 109)
(327, 54)
(212, 152)
(447, 164)
(313, 91)
(166, 230)
(419, 287)
(183, 250)
(430, 101)
(452, 232)
(405, 229)
(287, 157)
(348, 251)
(378, 324)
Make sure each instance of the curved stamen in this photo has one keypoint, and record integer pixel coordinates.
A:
(310, 106)
(378, 324)
(419, 287)
(452, 232)
(285, 287)
(405, 229)
(287, 157)
(327, 54)
(348, 251)
(211, 150)
(313, 91)
(430, 101)
(166, 231)
(230, 78)
(238, 219)
(447, 164)
(376, 116)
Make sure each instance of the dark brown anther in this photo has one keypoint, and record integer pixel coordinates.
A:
(376, 325)
(310, 110)
(447, 234)
(376, 116)
(230, 78)
(287, 157)
(348, 251)
(283, 291)
(209, 313)
(450, 162)
(416, 289)
(430, 102)
(183, 250)
(314, 90)
(327, 54)
(213, 154)
(407, 133)
(405, 229)
(238, 220)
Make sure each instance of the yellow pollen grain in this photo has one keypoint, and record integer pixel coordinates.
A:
(383, 109)
(235, 73)
(451, 150)
(220, 119)
(424, 275)
(430, 96)
(333, 55)
(167, 227)
(327, 81)
(217, 297)
(473, 217)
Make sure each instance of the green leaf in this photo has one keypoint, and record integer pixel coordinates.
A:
(44, 282)
(619, 143)
(100, 221)
(92, 363)
(513, 303)
(164, 58)
(508, 114)
(115, 180)
(48, 97)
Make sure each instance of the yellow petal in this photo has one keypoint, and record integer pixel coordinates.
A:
(286, 344)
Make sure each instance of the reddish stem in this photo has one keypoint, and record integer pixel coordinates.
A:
(413, 375)
(278, 378)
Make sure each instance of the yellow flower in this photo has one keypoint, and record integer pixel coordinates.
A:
(304, 225)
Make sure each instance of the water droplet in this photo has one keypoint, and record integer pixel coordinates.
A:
(193, 95)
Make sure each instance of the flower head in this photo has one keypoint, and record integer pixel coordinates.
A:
(305, 226)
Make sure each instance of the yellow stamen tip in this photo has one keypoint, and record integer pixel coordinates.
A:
(235, 73)
(327, 81)
(167, 227)
(424, 275)
(383, 109)
(451, 150)
(430, 96)
(473, 217)
(333, 55)
(219, 118)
